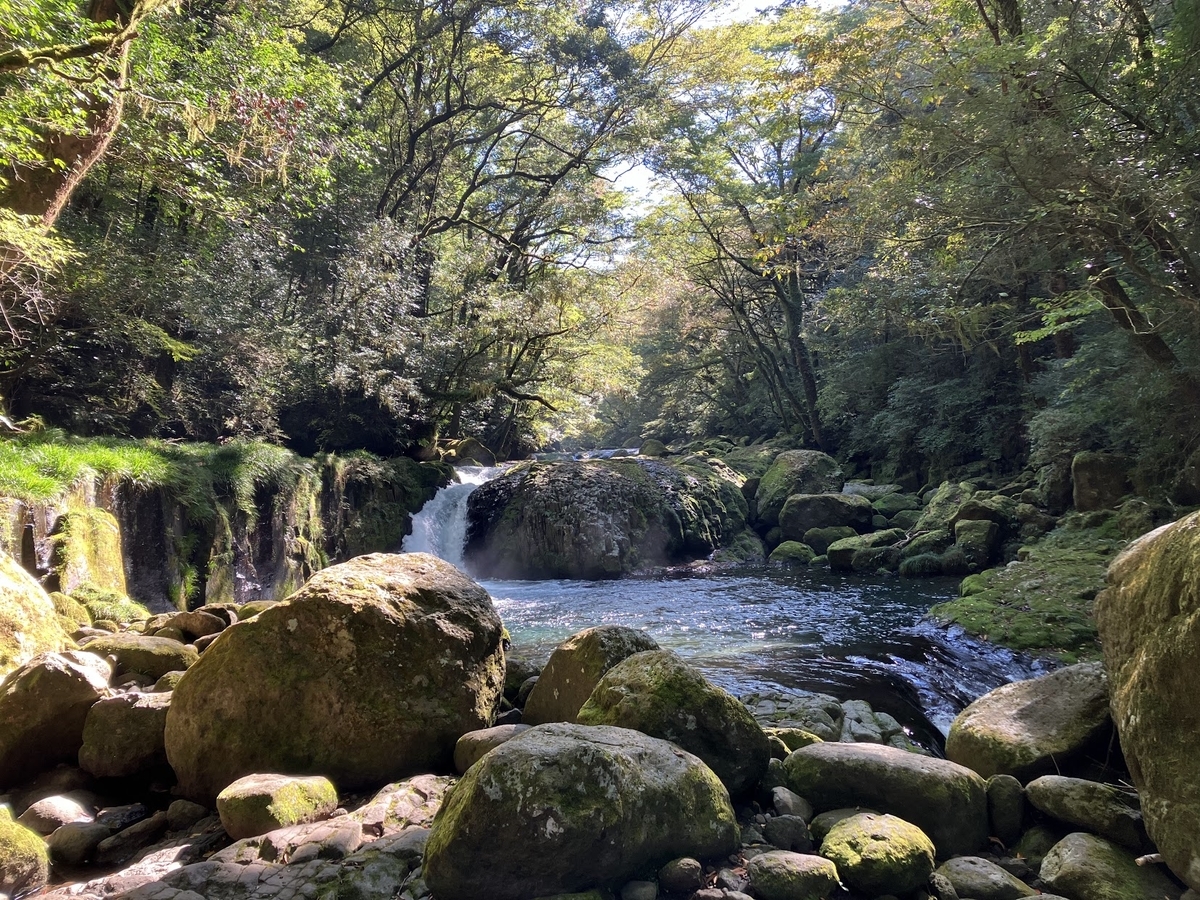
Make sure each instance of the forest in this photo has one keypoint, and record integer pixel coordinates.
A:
(927, 236)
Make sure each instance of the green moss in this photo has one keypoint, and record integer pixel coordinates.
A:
(71, 610)
(109, 605)
(24, 857)
(793, 553)
(878, 853)
(923, 565)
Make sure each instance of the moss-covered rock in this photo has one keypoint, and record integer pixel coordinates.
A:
(576, 667)
(793, 553)
(1100, 480)
(652, 447)
(845, 555)
(942, 504)
(1085, 867)
(566, 807)
(256, 804)
(746, 547)
(795, 472)
(947, 801)
(71, 611)
(934, 542)
(923, 565)
(1149, 620)
(24, 859)
(979, 541)
(123, 735)
(43, 707)
(820, 539)
(471, 747)
(602, 518)
(1099, 808)
(783, 875)
(29, 623)
(657, 693)
(1028, 728)
(371, 671)
(982, 879)
(253, 608)
(891, 504)
(149, 656)
(107, 605)
(85, 548)
(879, 854)
(803, 512)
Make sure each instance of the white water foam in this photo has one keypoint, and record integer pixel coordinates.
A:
(440, 527)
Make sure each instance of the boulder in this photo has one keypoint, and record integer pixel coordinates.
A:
(846, 555)
(256, 804)
(788, 833)
(803, 512)
(657, 693)
(372, 670)
(1149, 625)
(1027, 728)
(983, 880)
(942, 504)
(471, 747)
(820, 539)
(793, 553)
(681, 876)
(565, 807)
(24, 859)
(85, 549)
(197, 623)
(1006, 808)
(123, 735)
(878, 854)
(75, 843)
(1086, 867)
(872, 492)
(29, 624)
(979, 541)
(781, 875)
(122, 846)
(1100, 480)
(891, 504)
(149, 656)
(603, 518)
(652, 447)
(576, 667)
(43, 706)
(947, 801)
(1099, 808)
(795, 472)
(50, 813)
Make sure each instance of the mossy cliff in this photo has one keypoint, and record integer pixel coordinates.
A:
(181, 525)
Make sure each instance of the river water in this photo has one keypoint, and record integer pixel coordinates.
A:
(757, 629)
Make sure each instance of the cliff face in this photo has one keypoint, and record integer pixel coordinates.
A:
(258, 539)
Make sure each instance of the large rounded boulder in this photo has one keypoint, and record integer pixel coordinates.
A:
(1028, 728)
(1149, 624)
(371, 671)
(598, 519)
(804, 512)
(795, 472)
(561, 808)
(29, 624)
(659, 694)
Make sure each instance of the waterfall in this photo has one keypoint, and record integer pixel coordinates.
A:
(440, 527)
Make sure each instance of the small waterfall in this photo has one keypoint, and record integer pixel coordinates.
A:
(440, 527)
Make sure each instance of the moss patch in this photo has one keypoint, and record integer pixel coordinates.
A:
(105, 605)
(24, 858)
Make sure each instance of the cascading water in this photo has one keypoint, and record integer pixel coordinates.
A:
(440, 527)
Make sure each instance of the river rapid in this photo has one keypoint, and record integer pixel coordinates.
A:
(757, 629)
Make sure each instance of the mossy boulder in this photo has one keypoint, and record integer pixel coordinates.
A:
(783, 875)
(878, 854)
(1028, 728)
(70, 611)
(1149, 622)
(820, 539)
(982, 879)
(43, 707)
(599, 519)
(563, 808)
(795, 472)
(107, 605)
(152, 657)
(891, 504)
(933, 542)
(1100, 480)
(370, 672)
(942, 504)
(746, 547)
(123, 735)
(845, 555)
(979, 541)
(24, 859)
(947, 801)
(256, 804)
(29, 622)
(1099, 808)
(793, 553)
(802, 512)
(85, 549)
(657, 693)
(576, 667)
(1086, 867)
(652, 447)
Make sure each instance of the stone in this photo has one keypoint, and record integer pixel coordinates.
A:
(1027, 728)
(844, 555)
(182, 814)
(820, 539)
(946, 800)
(639, 890)
(29, 623)
(43, 706)
(979, 541)
(681, 876)
(891, 504)
(24, 859)
(516, 672)
(1099, 808)
(119, 818)
(652, 447)
(793, 553)
(256, 804)
(1006, 808)
(795, 472)
(789, 803)
(167, 682)
(197, 623)
(1100, 480)
(879, 854)
(74, 844)
(980, 879)
(149, 656)
(123, 735)
(804, 512)
(1086, 867)
(410, 659)
(1036, 843)
(659, 694)
(524, 821)
(474, 744)
(788, 833)
(576, 667)
(85, 549)
(124, 845)
(942, 504)
(50, 813)
(781, 875)
(1149, 626)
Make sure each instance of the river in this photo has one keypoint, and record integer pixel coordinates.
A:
(758, 629)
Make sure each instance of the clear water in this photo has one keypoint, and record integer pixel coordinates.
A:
(763, 629)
